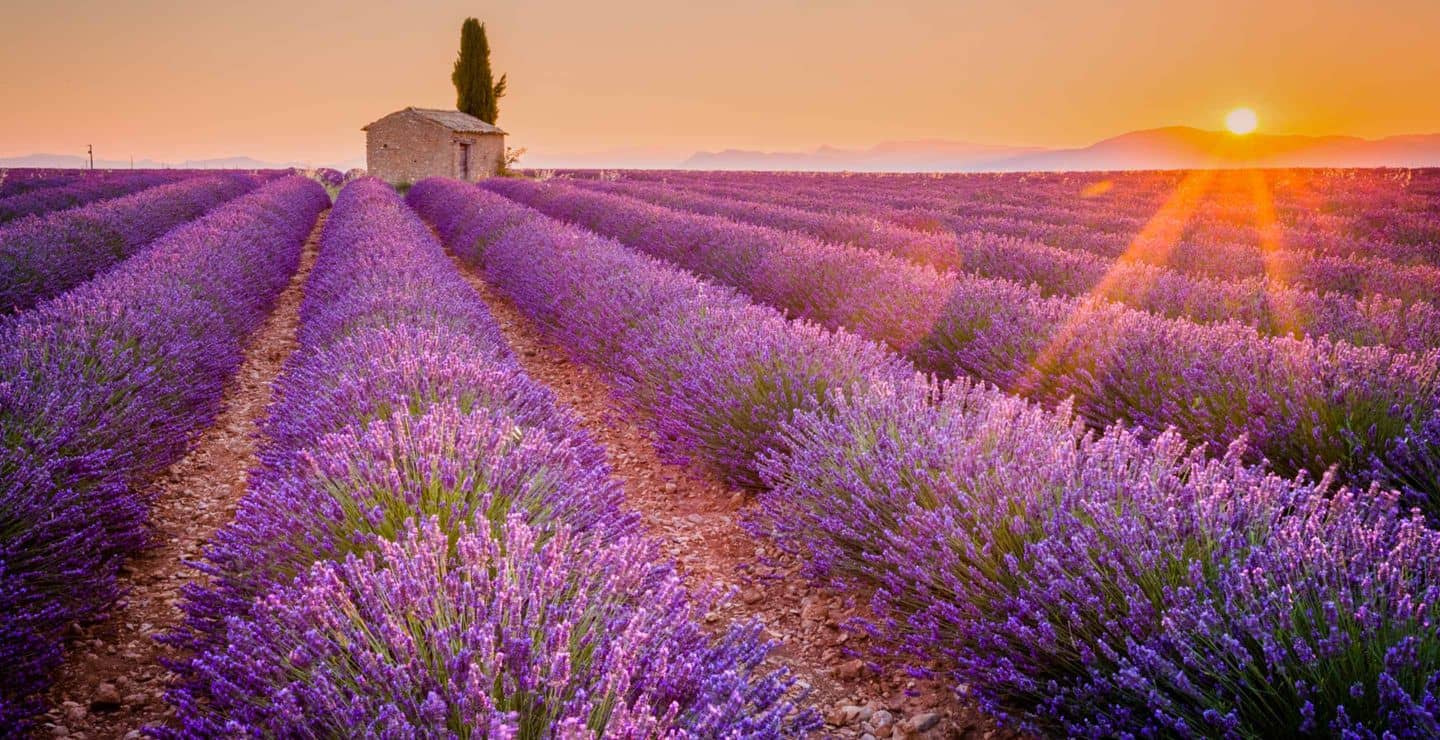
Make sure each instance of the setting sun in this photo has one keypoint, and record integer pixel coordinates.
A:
(1241, 121)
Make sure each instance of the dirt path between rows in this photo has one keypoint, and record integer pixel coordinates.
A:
(695, 518)
(112, 682)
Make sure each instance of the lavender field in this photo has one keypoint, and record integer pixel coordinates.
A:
(669, 453)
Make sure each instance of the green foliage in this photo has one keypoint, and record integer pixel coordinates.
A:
(476, 91)
(508, 162)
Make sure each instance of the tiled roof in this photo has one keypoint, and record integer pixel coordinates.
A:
(453, 120)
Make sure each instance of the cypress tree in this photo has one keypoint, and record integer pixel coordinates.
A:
(476, 91)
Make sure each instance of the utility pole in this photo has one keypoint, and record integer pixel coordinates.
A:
(90, 148)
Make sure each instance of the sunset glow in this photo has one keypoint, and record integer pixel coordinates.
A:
(652, 82)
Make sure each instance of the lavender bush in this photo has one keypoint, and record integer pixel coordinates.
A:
(1358, 231)
(1080, 583)
(21, 180)
(102, 388)
(721, 406)
(41, 257)
(329, 177)
(432, 547)
(1102, 585)
(1305, 404)
(79, 191)
(1263, 303)
(333, 180)
(399, 361)
(504, 632)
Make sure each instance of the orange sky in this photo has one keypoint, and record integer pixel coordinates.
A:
(288, 79)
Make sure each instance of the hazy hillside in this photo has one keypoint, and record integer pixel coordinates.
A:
(1180, 147)
(1174, 147)
(897, 156)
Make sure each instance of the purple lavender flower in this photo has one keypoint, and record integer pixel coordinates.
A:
(1262, 302)
(103, 387)
(77, 191)
(432, 546)
(501, 632)
(1305, 405)
(1079, 582)
(644, 324)
(1092, 585)
(1322, 237)
(46, 255)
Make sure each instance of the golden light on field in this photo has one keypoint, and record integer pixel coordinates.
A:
(1241, 121)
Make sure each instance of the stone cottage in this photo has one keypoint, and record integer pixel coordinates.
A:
(415, 143)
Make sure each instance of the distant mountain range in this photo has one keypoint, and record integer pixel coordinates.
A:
(902, 156)
(71, 161)
(1175, 147)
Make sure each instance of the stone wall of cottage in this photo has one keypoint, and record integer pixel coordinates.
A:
(406, 149)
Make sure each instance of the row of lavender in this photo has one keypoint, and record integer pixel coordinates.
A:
(1091, 585)
(1346, 205)
(1270, 307)
(20, 180)
(103, 387)
(431, 547)
(1303, 404)
(47, 255)
(1212, 215)
(1379, 213)
(1158, 243)
(81, 191)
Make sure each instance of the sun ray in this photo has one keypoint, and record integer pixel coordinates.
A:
(1270, 231)
(1154, 244)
